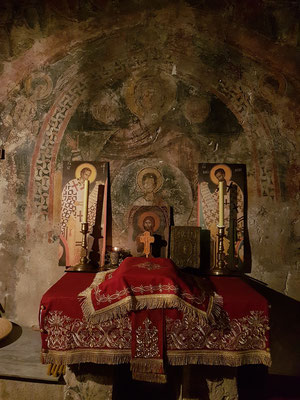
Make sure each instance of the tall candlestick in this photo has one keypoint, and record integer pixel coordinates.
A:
(221, 203)
(85, 200)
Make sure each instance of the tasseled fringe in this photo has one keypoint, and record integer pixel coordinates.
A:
(88, 356)
(154, 301)
(56, 370)
(136, 303)
(85, 296)
(214, 308)
(221, 358)
(146, 365)
(148, 377)
(209, 357)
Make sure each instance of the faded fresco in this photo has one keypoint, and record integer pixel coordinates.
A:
(150, 182)
(234, 177)
(142, 85)
(74, 175)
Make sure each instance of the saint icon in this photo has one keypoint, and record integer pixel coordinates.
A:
(150, 181)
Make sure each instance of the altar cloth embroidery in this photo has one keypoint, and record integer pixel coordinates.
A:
(164, 287)
(244, 333)
(147, 340)
(237, 335)
(64, 333)
(149, 265)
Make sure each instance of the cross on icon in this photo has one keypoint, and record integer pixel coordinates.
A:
(147, 239)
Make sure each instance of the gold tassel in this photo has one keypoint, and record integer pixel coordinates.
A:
(49, 367)
(56, 369)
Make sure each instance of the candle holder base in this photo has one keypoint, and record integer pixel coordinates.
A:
(83, 268)
(85, 265)
(220, 268)
(221, 271)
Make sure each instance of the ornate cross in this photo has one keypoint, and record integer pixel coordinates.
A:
(147, 239)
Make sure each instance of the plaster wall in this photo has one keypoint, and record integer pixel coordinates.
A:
(105, 81)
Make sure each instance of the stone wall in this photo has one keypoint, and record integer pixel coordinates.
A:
(179, 83)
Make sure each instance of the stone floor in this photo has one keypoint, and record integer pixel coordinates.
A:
(25, 390)
(20, 356)
(22, 376)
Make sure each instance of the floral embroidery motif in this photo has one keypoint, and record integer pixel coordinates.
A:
(246, 333)
(152, 289)
(147, 340)
(65, 333)
(149, 265)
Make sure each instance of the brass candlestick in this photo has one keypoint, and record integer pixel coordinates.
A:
(220, 267)
(85, 265)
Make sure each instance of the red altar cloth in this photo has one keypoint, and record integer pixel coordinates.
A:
(237, 337)
(148, 283)
(145, 288)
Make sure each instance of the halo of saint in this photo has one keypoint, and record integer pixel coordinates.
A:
(91, 167)
(151, 215)
(225, 168)
(151, 172)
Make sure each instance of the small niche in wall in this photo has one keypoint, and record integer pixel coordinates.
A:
(2, 154)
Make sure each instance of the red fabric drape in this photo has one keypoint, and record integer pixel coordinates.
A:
(237, 335)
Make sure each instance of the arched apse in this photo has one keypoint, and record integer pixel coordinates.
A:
(110, 55)
(76, 91)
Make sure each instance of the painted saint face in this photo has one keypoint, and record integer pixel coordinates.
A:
(148, 225)
(149, 185)
(85, 174)
(220, 176)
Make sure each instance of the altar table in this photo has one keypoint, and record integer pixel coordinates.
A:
(239, 337)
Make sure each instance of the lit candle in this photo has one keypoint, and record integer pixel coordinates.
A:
(85, 200)
(221, 203)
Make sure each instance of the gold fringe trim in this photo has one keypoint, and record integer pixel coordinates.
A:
(147, 377)
(85, 296)
(146, 365)
(177, 357)
(83, 356)
(149, 301)
(215, 306)
(217, 357)
(153, 301)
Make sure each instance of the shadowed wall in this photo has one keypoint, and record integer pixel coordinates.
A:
(176, 83)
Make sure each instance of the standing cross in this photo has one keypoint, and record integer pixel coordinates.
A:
(147, 239)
